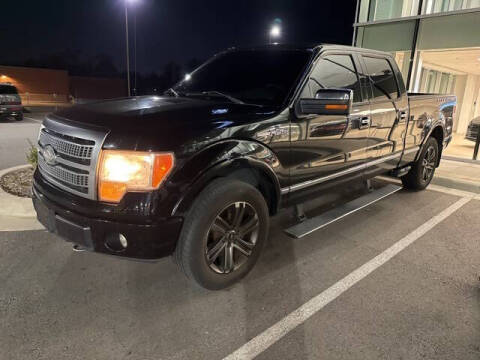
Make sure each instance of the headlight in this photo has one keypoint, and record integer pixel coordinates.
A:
(123, 171)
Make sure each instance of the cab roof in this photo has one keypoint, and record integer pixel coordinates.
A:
(309, 48)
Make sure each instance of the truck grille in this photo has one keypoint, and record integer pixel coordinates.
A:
(68, 156)
(68, 178)
(65, 146)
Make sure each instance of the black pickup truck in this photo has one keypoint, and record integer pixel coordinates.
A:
(198, 171)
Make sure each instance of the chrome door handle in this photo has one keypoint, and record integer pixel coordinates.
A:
(364, 122)
(360, 122)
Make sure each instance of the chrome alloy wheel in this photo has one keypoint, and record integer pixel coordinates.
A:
(232, 237)
(428, 163)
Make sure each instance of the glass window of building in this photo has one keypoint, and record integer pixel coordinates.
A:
(335, 71)
(433, 81)
(396, 38)
(382, 78)
(441, 6)
(374, 10)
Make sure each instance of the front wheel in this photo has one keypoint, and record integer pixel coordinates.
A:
(223, 234)
(422, 171)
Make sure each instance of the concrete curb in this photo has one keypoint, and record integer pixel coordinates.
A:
(15, 206)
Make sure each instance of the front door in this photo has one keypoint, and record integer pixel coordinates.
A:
(325, 147)
(389, 114)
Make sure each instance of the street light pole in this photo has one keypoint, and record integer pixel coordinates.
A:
(135, 55)
(127, 50)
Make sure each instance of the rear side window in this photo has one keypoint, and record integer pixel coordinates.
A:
(8, 90)
(382, 78)
(335, 71)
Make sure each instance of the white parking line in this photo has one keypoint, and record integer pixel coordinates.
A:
(451, 191)
(438, 188)
(267, 338)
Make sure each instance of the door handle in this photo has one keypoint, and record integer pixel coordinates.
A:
(364, 122)
(360, 122)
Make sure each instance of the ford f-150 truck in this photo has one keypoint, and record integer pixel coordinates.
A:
(197, 172)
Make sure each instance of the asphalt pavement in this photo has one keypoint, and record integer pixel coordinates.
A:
(397, 280)
(14, 136)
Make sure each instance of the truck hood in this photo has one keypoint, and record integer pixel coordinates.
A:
(158, 123)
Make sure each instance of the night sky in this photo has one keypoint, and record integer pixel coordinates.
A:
(167, 30)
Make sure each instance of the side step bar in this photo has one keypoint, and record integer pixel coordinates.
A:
(310, 225)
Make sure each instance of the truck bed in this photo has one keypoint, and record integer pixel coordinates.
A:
(427, 109)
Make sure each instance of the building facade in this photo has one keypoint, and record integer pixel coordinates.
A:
(435, 42)
(46, 86)
(37, 85)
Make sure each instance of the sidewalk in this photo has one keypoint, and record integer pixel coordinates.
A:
(458, 175)
(16, 213)
(460, 147)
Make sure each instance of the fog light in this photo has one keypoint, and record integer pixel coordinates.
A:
(116, 242)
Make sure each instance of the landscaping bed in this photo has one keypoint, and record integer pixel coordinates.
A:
(18, 182)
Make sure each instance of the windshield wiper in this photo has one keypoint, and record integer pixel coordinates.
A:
(218, 94)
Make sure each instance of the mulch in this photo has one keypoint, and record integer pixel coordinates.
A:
(18, 182)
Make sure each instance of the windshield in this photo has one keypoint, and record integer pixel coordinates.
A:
(7, 90)
(263, 77)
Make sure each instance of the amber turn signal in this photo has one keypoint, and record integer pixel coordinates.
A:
(336, 107)
(124, 171)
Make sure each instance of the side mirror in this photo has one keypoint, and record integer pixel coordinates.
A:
(328, 102)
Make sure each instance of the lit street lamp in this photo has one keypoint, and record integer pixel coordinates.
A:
(275, 32)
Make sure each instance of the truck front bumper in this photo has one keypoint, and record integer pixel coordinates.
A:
(143, 241)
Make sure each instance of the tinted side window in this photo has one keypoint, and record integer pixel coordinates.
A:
(382, 78)
(336, 71)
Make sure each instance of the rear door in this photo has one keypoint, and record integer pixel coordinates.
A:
(324, 148)
(389, 111)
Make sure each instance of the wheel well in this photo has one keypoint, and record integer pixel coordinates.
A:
(437, 134)
(261, 181)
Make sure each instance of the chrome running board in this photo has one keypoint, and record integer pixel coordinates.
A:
(310, 225)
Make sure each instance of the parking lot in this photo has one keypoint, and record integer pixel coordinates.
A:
(397, 280)
(14, 137)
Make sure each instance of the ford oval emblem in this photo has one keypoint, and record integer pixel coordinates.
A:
(50, 155)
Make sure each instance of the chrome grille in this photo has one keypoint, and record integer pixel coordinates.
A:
(76, 151)
(69, 178)
(66, 147)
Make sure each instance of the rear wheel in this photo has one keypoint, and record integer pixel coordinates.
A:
(422, 171)
(223, 234)
(19, 117)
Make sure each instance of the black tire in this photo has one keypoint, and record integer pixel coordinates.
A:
(200, 237)
(423, 170)
(19, 117)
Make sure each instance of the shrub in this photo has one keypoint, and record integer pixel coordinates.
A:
(32, 155)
